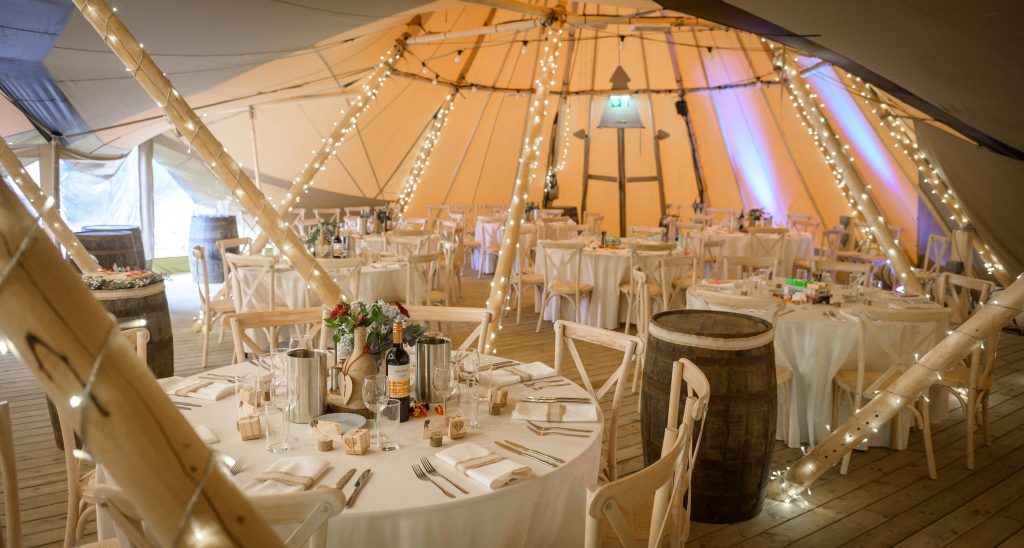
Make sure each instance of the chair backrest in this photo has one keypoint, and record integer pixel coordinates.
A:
(648, 256)
(648, 232)
(935, 253)
(122, 512)
(563, 263)
(593, 221)
(711, 252)
(138, 337)
(414, 223)
(449, 230)
(491, 229)
(639, 283)
(766, 308)
(792, 218)
(741, 265)
(963, 294)
(687, 240)
(455, 314)
(806, 227)
(253, 281)
(830, 240)
(408, 242)
(346, 273)
(9, 473)
(928, 327)
(523, 263)
(308, 321)
(676, 267)
(566, 335)
(419, 277)
(240, 246)
(203, 278)
(857, 273)
(358, 211)
(766, 241)
(667, 480)
(332, 214)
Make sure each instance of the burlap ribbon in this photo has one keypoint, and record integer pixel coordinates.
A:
(286, 478)
(521, 375)
(556, 411)
(478, 462)
(192, 388)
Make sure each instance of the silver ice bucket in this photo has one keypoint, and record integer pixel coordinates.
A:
(431, 348)
(307, 374)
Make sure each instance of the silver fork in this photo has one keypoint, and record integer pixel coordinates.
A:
(554, 433)
(543, 386)
(542, 427)
(419, 474)
(237, 466)
(429, 468)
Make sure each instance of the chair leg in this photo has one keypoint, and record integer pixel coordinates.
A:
(206, 342)
(926, 433)
(82, 518)
(519, 304)
(543, 306)
(629, 310)
(985, 419)
(970, 410)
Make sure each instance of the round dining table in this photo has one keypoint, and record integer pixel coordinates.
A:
(816, 345)
(397, 509)
(795, 246)
(381, 280)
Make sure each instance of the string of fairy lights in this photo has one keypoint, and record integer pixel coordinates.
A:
(427, 144)
(526, 175)
(906, 142)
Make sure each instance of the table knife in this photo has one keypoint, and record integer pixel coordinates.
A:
(525, 448)
(525, 454)
(555, 399)
(360, 483)
(344, 479)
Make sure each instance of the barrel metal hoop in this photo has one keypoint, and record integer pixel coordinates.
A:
(711, 343)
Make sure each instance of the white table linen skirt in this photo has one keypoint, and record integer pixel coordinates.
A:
(797, 245)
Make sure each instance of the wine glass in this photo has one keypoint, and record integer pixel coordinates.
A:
(470, 360)
(375, 396)
(444, 379)
(299, 342)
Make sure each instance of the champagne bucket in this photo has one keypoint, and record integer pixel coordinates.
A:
(307, 374)
(348, 244)
(431, 348)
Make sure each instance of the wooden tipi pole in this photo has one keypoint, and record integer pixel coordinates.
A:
(74, 349)
(905, 390)
(825, 136)
(35, 195)
(529, 169)
(148, 74)
(349, 118)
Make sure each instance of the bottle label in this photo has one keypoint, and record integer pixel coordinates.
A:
(398, 380)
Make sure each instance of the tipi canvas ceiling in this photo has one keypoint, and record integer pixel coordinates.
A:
(752, 147)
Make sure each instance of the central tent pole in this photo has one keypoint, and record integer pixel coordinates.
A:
(153, 80)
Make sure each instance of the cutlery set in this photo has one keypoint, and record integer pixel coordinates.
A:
(557, 430)
(545, 383)
(364, 478)
(524, 451)
(428, 470)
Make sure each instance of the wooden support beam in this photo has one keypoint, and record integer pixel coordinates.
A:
(904, 391)
(529, 169)
(894, 253)
(147, 203)
(620, 135)
(67, 340)
(127, 48)
(54, 223)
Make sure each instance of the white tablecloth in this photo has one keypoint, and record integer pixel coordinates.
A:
(797, 245)
(396, 509)
(815, 348)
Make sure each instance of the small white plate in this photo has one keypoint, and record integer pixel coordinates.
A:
(347, 420)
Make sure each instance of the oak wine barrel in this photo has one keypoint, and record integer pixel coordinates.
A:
(140, 307)
(205, 231)
(121, 246)
(736, 353)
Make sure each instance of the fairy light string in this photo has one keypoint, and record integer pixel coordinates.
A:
(426, 147)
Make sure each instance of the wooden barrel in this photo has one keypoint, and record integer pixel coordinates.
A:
(120, 246)
(736, 353)
(142, 307)
(205, 231)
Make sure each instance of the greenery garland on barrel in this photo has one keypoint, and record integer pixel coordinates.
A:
(120, 278)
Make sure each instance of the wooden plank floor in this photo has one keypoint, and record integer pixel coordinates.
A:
(885, 499)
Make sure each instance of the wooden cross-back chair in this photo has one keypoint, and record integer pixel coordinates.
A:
(792, 218)
(928, 327)
(962, 294)
(9, 473)
(524, 275)
(710, 255)
(678, 273)
(238, 246)
(766, 241)
(419, 279)
(415, 223)
(686, 239)
(934, 255)
(211, 307)
(310, 511)
(436, 315)
(307, 321)
(970, 381)
(332, 214)
(648, 232)
(346, 273)
(566, 335)
(645, 256)
(856, 273)
(254, 282)
(741, 265)
(641, 292)
(805, 227)
(491, 231)
(453, 256)
(655, 503)
(436, 212)
(563, 266)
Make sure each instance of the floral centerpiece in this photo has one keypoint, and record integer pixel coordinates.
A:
(327, 228)
(121, 278)
(755, 214)
(377, 318)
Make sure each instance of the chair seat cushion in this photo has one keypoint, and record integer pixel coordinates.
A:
(639, 519)
(529, 278)
(653, 290)
(564, 288)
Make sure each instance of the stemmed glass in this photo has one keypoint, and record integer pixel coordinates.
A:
(375, 396)
(444, 379)
(299, 342)
(470, 360)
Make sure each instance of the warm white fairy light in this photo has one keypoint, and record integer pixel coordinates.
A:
(906, 141)
(419, 166)
(564, 153)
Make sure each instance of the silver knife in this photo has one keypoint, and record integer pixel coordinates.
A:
(525, 448)
(525, 454)
(344, 479)
(555, 399)
(360, 483)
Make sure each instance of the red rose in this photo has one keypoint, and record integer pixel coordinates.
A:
(335, 312)
(401, 308)
(361, 319)
(342, 309)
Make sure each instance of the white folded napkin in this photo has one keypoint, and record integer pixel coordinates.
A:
(555, 412)
(213, 391)
(483, 466)
(205, 434)
(287, 475)
(519, 373)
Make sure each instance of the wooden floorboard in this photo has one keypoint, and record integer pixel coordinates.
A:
(885, 499)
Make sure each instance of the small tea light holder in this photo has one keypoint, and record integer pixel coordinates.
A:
(436, 439)
(250, 428)
(325, 445)
(457, 428)
(357, 441)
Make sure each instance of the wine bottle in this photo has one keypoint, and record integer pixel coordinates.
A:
(337, 248)
(397, 361)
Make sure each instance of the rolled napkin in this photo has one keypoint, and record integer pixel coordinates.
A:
(520, 373)
(205, 434)
(287, 475)
(486, 467)
(555, 412)
(196, 388)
